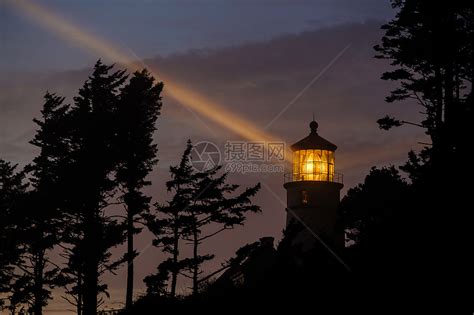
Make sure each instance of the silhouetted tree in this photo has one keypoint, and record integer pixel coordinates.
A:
(372, 212)
(12, 190)
(41, 216)
(94, 158)
(214, 204)
(201, 200)
(169, 223)
(431, 46)
(139, 107)
(157, 283)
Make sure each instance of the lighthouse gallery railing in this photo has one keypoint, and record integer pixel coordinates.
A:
(316, 177)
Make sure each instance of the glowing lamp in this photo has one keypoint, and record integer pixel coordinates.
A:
(313, 158)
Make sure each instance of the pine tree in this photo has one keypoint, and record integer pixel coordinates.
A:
(430, 45)
(214, 204)
(41, 211)
(93, 160)
(201, 200)
(168, 224)
(139, 107)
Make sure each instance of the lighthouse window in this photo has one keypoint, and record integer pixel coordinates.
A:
(313, 165)
(304, 197)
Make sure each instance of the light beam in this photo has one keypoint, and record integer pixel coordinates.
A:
(192, 99)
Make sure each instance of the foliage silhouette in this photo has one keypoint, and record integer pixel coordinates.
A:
(138, 110)
(430, 45)
(169, 224)
(12, 189)
(372, 213)
(43, 221)
(202, 199)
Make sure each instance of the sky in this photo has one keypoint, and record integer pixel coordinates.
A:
(164, 27)
(261, 61)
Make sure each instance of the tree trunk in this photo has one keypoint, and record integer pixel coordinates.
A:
(91, 288)
(130, 257)
(91, 266)
(195, 265)
(79, 294)
(38, 285)
(174, 274)
(449, 90)
(436, 133)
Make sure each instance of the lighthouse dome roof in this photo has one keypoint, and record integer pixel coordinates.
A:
(314, 141)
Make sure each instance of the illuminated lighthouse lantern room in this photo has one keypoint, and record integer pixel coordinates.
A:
(313, 187)
(313, 158)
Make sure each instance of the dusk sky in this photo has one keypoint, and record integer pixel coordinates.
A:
(252, 58)
(162, 27)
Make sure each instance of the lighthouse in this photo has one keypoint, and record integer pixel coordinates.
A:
(313, 188)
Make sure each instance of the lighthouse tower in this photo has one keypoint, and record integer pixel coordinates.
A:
(313, 188)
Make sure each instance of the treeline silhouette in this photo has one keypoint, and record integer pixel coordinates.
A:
(408, 229)
(94, 154)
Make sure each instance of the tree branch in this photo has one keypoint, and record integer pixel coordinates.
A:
(184, 275)
(212, 234)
